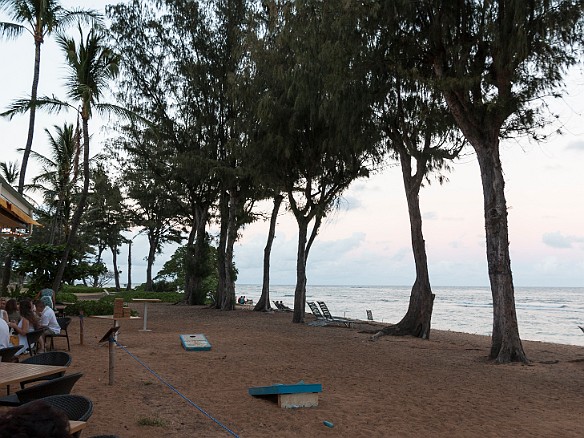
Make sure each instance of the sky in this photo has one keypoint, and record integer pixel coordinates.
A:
(367, 240)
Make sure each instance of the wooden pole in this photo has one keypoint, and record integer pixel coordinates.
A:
(81, 327)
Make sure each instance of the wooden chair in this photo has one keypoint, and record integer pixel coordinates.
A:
(64, 324)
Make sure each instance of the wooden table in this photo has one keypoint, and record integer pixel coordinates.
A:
(146, 301)
(76, 426)
(13, 373)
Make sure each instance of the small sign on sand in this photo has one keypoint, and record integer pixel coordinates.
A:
(195, 342)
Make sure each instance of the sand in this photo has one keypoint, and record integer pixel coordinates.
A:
(394, 387)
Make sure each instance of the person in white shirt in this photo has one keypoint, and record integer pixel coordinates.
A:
(4, 334)
(48, 319)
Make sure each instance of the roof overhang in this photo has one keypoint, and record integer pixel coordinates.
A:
(15, 212)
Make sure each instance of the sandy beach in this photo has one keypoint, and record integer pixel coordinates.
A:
(394, 387)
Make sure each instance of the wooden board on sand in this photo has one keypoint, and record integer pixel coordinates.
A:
(298, 395)
(195, 342)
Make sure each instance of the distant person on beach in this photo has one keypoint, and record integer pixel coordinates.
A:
(34, 420)
(48, 296)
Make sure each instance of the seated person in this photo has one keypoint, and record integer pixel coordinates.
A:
(11, 308)
(34, 420)
(27, 323)
(47, 319)
(4, 334)
(48, 296)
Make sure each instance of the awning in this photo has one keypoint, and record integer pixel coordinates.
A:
(15, 212)
(11, 211)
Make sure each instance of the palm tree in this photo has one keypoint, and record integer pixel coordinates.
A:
(9, 170)
(59, 177)
(90, 64)
(39, 18)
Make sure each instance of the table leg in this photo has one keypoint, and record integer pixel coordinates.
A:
(145, 329)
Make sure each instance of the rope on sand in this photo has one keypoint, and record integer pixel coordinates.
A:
(172, 388)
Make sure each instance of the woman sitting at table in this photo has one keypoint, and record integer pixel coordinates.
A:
(28, 322)
(3, 312)
(12, 310)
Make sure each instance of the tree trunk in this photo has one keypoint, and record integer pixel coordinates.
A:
(79, 210)
(300, 291)
(100, 250)
(263, 304)
(32, 115)
(221, 249)
(228, 302)
(152, 245)
(506, 344)
(129, 285)
(195, 261)
(116, 270)
(417, 319)
(6, 272)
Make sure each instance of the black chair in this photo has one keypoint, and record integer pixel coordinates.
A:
(60, 385)
(32, 338)
(77, 407)
(58, 358)
(64, 324)
(7, 354)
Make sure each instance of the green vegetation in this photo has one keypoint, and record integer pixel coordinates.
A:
(156, 422)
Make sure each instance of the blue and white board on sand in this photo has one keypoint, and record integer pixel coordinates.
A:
(195, 342)
(297, 395)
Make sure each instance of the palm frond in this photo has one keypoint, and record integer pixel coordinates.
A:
(52, 105)
(88, 16)
(11, 30)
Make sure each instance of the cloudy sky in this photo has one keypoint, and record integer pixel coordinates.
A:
(367, 242)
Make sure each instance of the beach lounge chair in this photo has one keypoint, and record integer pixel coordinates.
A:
(320, 319)
(281, 306)
(329, 317)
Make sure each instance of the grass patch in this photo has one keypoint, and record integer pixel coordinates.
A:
(155, 422)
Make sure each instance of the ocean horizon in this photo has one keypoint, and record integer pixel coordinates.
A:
(546, 314)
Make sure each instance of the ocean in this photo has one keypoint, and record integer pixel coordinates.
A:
(544, 314)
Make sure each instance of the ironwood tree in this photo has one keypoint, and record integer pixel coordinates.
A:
(419, 132)
(493, 61)
(315, 113)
